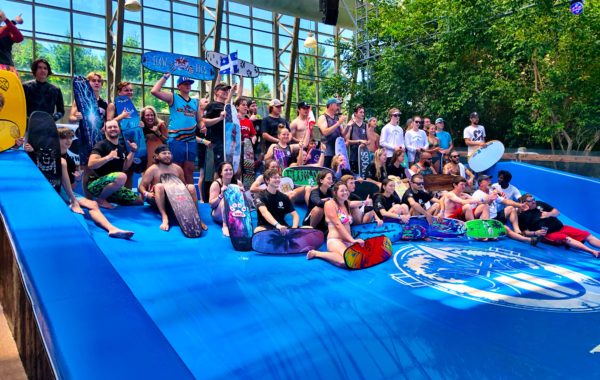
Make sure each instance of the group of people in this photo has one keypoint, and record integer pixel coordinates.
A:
(197, 125)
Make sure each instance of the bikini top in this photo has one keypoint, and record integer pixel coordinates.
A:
(344, 218)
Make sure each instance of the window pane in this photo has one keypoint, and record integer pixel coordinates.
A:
(56, 3)
(260, 13)
(264, 26)
(58, 55)
(12, 9)
(186, 23)
(89, 28)
(150, 100)
(23, 55)
(87, 60)
(242, 49)
(263, 86)
(238, 8)
(45, 23)
(157, 39)
(157, 17)
(185, 9)
(132, 35)
(262, 38)
(131, 68)
(263, 58)
(95, 7)
(185, 43)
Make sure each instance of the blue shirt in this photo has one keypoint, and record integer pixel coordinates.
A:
(445, 139)
(182, 121)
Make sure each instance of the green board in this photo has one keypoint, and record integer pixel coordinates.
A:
(304, 175)
(482, 229)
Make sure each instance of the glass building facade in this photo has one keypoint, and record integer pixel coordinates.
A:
(71, 34)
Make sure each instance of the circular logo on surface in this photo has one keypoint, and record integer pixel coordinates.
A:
(497, 276)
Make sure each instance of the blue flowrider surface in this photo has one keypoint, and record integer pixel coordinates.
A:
(455, 309)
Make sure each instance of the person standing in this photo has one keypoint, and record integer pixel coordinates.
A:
(41, 95)
(331, 126)
(356, 136)
(372, 136)
(474, 134)
(416, 140)
(446, 144)
(9, 35)
(271, 123)
(392, 135)
(300, 125)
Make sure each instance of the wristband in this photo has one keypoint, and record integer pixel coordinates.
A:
(277, 225)
(166, 77)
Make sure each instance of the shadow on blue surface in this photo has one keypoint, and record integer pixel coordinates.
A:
(453, 309)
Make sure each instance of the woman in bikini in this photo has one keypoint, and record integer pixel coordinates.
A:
(224, 178)
(339, 219)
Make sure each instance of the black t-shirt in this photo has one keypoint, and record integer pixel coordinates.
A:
(421, 197)
(316, 198)
(215, 132)
(372, 173)
(43, 96)
(71, 167)
(278, 204)
(532, 220)
(398, 172)
(103, 148)
(269, 124)
(382, 202)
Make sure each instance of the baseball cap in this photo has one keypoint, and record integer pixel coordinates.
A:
(303, 105)
(474, 114)
(161, 148)
(275, 103)
(182, 80)
(483, 177)
(222, 86)
(439, 120)
(332, 101)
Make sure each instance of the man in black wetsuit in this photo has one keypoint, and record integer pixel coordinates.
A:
(41, 95)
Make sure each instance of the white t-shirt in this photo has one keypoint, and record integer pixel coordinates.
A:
(511, 192)
(475, 134)
(415, 140)
(392, 137)
(494, 206)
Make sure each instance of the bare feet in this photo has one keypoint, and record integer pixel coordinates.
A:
(165, 225)
(596, 254)
(104, 204)
(311, 254)
(76, 208)
(120, 234)
(225, 230)
(203, 226)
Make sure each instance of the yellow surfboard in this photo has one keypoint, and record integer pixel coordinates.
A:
(13, 110)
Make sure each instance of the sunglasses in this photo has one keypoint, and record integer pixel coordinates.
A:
(530, 201)
(419, 121)
(418, 183)
(396, 115)
(454, 156)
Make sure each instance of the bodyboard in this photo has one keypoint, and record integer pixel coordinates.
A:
(178, 64)
(447, 228)
(365, 188)
(182, 203)
(130, 127)
(340, 148)
(13, 110)
(248, 170)
(238, 218)
(297, 240)
(304, 175)
(374, 251)
(89, 131)
(42, 135)
(245, 68)
(364, 159)
(392, 231)
(485, 229)
(411, 230)
(486, 156)
(232, 138)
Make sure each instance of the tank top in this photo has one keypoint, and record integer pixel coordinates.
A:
(182, 122)
(329, 141)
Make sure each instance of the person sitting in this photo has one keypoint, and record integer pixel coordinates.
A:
(362, 211)
(69, 176)
(338, 165)
(316, 201)
(458, 205)
(109, 161)
(538, 218)
(282, 151)
(395, 167)
(388, 205)
(296, 195)
(508, 213)
(424, 166)
(377, 171)
(339, 219)
(273, 205)
(153, 190)
(311, 155)
(455, 167)
(225, 177)
(155, 132)
(419, 200)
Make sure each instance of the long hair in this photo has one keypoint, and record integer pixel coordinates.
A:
(156, 119)
(334, 191)
(336, 162)
(379, 167)
(321, 176)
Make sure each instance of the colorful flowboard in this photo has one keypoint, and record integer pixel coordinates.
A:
(297, 240)
(132, 132)
(412, 230)
(232, 137)
(447, 228)
(486, 156)
(183, 205)
(485, 229)
(374, 251)
(364, 159)
(238, 219)
(89, 131)
(178, 64)
(248, 170)
(438, 182)
(42, 135)
(364, 188)
(392, 231)
(13, 110)
(340, 148)
(304, 175)
(245, 68)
